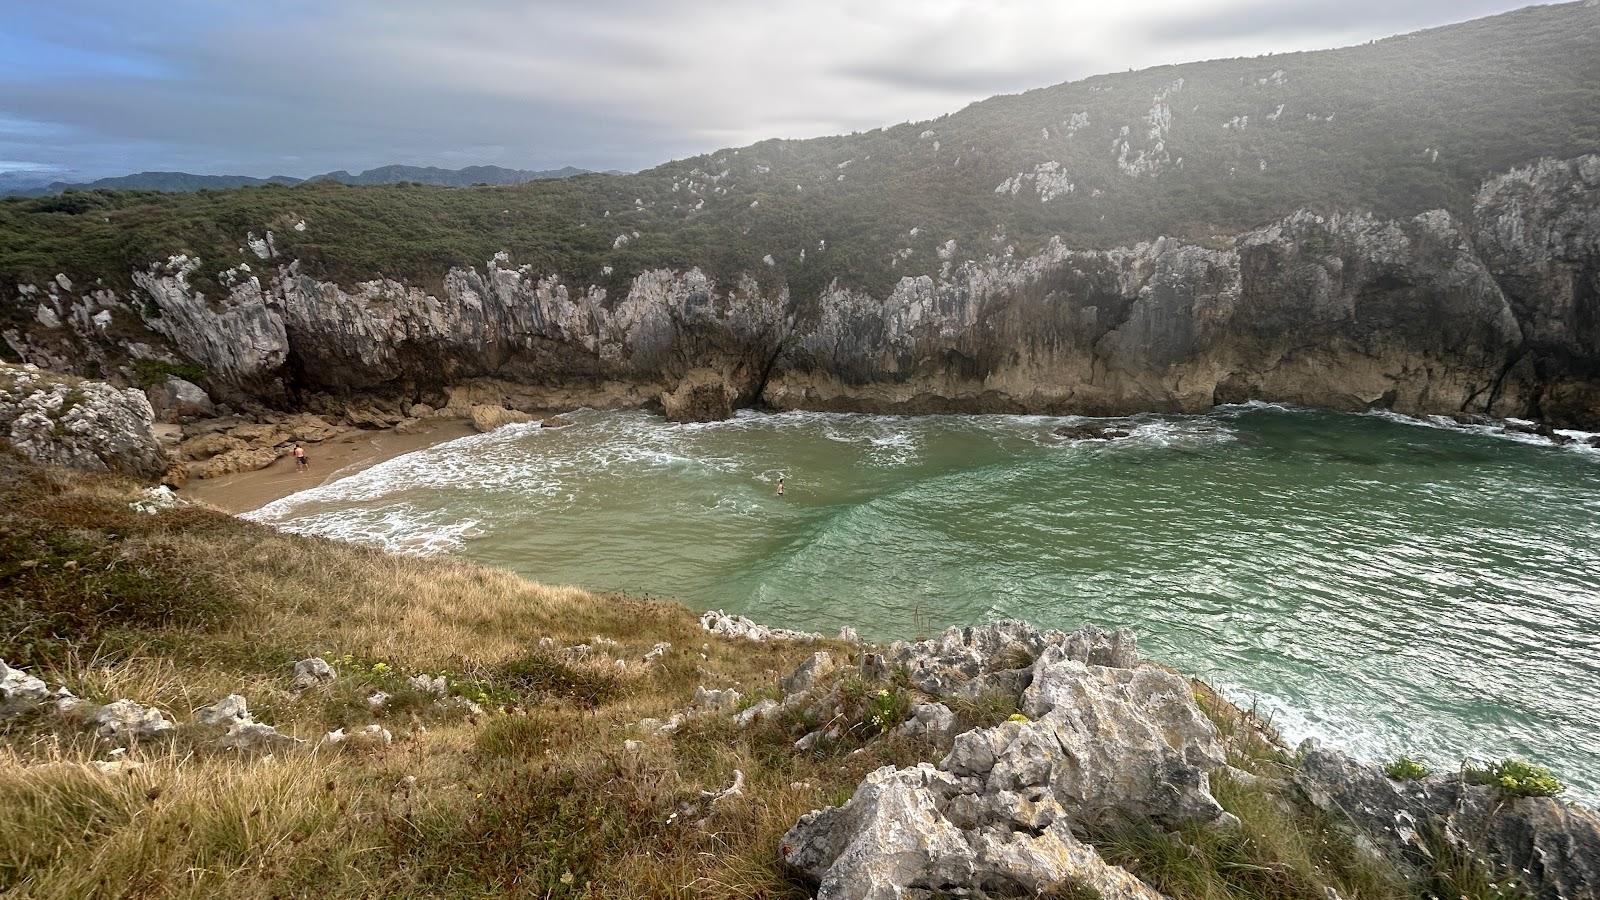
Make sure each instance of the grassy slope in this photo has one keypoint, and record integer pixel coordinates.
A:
(1487, 95)
(538, 798)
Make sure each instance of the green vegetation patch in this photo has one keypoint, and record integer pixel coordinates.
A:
(149, 373)
(1517, 778)
(1407, 769)
(546, 674)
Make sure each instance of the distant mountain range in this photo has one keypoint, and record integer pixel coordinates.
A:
(19, 184)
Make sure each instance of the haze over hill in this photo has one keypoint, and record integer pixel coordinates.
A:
(946, 263)
(179, 182)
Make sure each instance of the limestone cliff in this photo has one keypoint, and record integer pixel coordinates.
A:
(1499, 314)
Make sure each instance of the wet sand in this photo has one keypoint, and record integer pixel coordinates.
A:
(330, 461)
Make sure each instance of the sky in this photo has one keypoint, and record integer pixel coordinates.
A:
(300, 87)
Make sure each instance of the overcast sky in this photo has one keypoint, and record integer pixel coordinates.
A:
(299, 87)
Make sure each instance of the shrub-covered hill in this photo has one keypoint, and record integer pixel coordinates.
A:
(1396, 126)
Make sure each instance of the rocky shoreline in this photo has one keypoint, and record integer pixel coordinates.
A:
(174, 433)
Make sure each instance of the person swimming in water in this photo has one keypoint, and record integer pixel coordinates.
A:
(780, 485)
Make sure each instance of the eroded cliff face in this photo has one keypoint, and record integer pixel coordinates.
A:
(1538, 232)
(1497, 315)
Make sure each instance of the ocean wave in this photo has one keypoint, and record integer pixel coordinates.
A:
(1233, 409)
(398, 529)
(1579, 441)
(1145, 432)
(1297, 721)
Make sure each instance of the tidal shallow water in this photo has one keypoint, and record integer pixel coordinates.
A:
(1392, 585)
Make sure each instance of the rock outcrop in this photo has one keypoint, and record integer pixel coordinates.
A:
(87, 425)
(1103, 740)
(1100, 737)
(311, 672)
(19, 691)
(1491, 313)
(176, 400)
(921, 833)
(1551, 848)
(1537, 229)
(487, 418)
(718, 622)
(702, 396)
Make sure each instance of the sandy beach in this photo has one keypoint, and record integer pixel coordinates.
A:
(330, 461)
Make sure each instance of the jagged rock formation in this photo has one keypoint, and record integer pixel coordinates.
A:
(1100, 735)
(920, 832)
(1498, 315)
(1104, 740)
(1552, 848)
(718, 622)
(86, 425)
(1538, 232)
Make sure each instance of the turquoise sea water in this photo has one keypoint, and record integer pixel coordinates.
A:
(1392, 585)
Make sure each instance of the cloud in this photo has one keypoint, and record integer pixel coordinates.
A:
(301, 87)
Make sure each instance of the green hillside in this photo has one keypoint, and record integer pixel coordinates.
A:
(1197, 150)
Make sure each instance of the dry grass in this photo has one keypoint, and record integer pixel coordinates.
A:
(536, 798)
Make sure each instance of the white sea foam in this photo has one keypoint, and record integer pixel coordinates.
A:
(401, 528)
(1296, 722)
(1580, 440)
(1252, 405)
(1145, 432)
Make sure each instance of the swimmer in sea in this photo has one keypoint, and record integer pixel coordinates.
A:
(780, 486)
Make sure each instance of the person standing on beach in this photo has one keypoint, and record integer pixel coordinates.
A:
(300, 461)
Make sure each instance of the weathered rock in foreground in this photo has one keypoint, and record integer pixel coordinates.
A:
(718, 622)
(1551, 848)
(19, 691)
(922, 833)
(308, 673)
(1103, 739)
(125, 720)
(973, 660)
(86, 425)
(1103, 736)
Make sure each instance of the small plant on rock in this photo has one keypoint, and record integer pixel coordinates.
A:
(1517, 778)
(1407, 769)
(887, 709)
